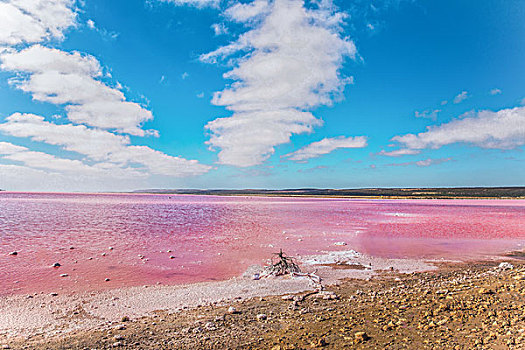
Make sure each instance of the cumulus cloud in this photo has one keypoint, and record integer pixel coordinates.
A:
(289, 64)
(462, 96)
(245, 12)
(100, 145)
(219, 28)
(196, 3)
(73, 80)
(7, 148)
(399, 152)
(32, 21)
(327, 145)
(503, 129)
(428, 114)
(45, 161)
(422, 163)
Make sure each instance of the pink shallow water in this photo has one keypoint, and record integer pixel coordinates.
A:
(215, 238)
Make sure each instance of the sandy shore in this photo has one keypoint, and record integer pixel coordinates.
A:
(27, 316)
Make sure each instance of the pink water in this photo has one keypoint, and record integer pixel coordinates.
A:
(215, 238)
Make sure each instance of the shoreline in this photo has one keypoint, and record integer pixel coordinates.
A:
(39, 314)
(456, 305)
(283, 195)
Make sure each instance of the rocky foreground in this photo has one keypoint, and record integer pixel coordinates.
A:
(477, 305)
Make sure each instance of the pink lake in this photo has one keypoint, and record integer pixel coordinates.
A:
(215, 238)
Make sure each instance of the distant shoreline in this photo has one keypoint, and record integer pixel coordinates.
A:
(367, 193)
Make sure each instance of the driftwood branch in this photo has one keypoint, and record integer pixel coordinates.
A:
(283, 264)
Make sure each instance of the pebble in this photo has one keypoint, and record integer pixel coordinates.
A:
(13, 253)
(124, 319)
(361, 336)
(106, 279)
(210, 326)
(117, 344)
(261, 317)
(64, 275)
(232, 310)
(172, 257)
(340, 243)
(53, 294)
(56, 265)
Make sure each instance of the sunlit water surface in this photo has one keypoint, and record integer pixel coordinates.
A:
(215, 238)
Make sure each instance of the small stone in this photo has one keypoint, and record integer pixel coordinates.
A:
(340, 243)
(53, 294)
(64, 275)
(13, 253)
(103, 254)
(210, 326)
(261, 317)
(320, 343)
(119, 337)
(172, 257)
(107, 279)
(505, 266)
(117, 344)
(110, 248)
(361, 336)
(232, 310)
(256, 277)
(56, 265)
(124, 319)
(5, 346)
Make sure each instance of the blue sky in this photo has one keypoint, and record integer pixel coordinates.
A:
(121, 95)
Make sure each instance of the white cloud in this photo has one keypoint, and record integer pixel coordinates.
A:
(428, 114)
(196, 3)
(327, 145)
(44, 161)
(185, 75)
(495, 92)
(423, 163)
(248, 11)
(72, 79)
(290, 65)
(9, 148)
(503, 129)
(219, 28)
(32, 21)
(100, 145)
(462, 96)
(430, 161)
(399, 152)
(90, 24)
